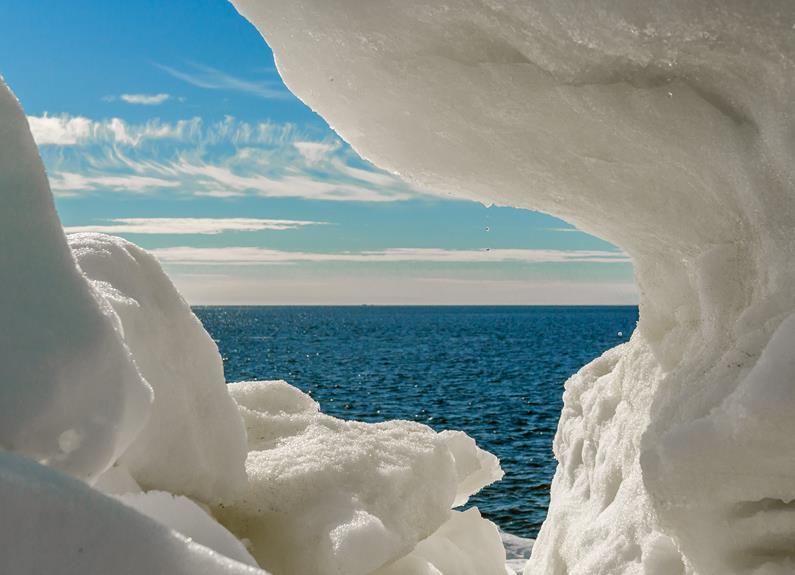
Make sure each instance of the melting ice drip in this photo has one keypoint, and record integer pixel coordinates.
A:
(664, 127)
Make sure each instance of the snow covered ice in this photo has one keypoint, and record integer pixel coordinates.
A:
(194, 442)
(329, 496)
(663, 127)
(71, 396)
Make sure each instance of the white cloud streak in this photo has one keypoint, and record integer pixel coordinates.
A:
(145, 99)
(289, 186)
(565, 230)
(257, 255)
(60, 130)
(202, 226)
(314, 152)
(69, 183)
(213, 79)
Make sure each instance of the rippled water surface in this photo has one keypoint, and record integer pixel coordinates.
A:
(495, 372)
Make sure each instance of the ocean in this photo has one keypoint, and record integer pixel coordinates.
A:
(495, 372)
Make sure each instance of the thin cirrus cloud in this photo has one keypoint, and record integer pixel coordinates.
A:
(314, 152)
(288, 186)
(65, 130)
(71, 184)
(188, 255)
(211, 78)
(198, 226)
(145, 99)
(224, 159)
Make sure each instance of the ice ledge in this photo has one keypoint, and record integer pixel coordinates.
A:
(665, 128)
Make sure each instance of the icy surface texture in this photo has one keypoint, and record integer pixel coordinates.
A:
(70, 396)
(328, 496)
(194, 442)
(53, 523)
(466, 544)
(517, 551)
(664, 127)
(187, 518)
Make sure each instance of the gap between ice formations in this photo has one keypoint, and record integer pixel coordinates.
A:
(124, 449)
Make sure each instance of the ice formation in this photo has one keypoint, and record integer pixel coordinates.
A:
(53, 523)
(334, 497)
(664, 127)
(71, 396)
(123, 450)
(194, 442)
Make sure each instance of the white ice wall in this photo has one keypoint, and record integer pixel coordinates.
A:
(664, 127)
(70, 396)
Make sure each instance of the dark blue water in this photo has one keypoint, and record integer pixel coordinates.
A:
(495, 372)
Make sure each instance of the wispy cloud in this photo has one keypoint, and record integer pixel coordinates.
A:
(65, 130)
(60, 130)
(314, 152)
(568, 230)
(69, 183)
(224, 159)
(288, 186)
(210, 78)
(145, 99)
(256, 255)
(203, 226)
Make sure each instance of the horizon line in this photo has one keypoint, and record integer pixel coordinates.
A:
(413, 305)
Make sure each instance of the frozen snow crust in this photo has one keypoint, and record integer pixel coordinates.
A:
(53, 523)
(122, 449)
(664, 127)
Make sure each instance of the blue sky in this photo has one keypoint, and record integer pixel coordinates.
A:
(167, 123)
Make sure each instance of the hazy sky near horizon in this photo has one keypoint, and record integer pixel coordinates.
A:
(167, 123)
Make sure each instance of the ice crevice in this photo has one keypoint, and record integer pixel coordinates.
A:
(663, 127)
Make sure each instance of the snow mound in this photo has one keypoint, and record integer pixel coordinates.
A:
(70, 396)
(55, 524)
(194, 442)
(328, 496)
(665, 128)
